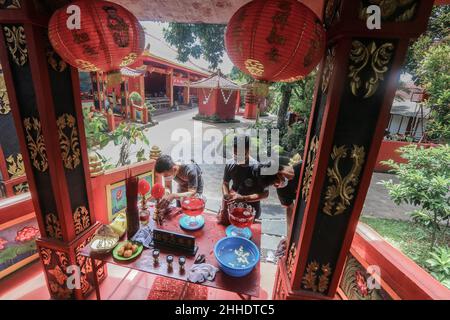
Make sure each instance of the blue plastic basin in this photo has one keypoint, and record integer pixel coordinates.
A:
(236, 256)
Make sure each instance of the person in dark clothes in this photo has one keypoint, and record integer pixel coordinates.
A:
(187, 176)
(286, 182)
(245, 186)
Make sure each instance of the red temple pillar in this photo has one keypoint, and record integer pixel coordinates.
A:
(238, 101)
(354, 92)
(169, 86)
(45, 98)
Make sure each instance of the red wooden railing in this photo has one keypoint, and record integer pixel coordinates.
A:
(401, 278)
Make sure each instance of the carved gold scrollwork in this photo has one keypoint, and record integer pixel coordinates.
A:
(9, 4)
(35, 142)
(391, 10)
(341, 189)
(69, 144)
(81, 219)
(255, 67)
(86, 66)
(55, 61)
(355, 282)
(21, 188)
(16, 168)
(52, 226)
(290, 263)
(129, 59)
(379, 59)
(317, 277)
(5, 107)
(46, 256)
(16, 42)
(310, 160)
(328, 69)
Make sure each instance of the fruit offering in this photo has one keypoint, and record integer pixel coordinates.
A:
(127, 249)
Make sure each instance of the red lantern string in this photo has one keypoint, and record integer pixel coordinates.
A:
(280, 40)
(110, 37)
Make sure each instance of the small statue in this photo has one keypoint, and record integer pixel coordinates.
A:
(182, 262)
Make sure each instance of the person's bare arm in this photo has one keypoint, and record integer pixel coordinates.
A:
(225, 189)
(236, 197)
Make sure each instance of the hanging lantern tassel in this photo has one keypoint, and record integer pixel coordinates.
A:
(114, 78)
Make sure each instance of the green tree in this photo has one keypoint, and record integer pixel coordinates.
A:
(428, 62)
(434, 73)
(196, 40)
(424, 181)
(437, 32)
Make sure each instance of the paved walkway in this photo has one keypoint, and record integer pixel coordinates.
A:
(174, 130)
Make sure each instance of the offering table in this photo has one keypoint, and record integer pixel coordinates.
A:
(206, 238)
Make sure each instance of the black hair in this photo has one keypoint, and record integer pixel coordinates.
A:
(164, 163)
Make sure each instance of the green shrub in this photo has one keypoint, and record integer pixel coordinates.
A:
(439, 265)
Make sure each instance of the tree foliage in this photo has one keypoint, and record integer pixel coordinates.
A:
(424, 181)
(428, 62)
(197, 40)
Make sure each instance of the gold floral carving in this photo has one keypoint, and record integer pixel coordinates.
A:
(16, 42)
(255, 67)
(46, 256)
(290, 263)
(328, 69)
(55, 61)
(391, 10)
(310, 160)
(5, 107)
(342, 188)
(317, 277)
(36, 144)
(52, 226)
(86, 66)
(21, 188)
(81, 219)
(69, 144)
(12, 4)
(16, 168)
(360, 56)
(355, 282)
(129, 59)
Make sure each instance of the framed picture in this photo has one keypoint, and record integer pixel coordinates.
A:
(18, 243)
(116, 199)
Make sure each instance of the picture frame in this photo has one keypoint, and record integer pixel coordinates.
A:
(16, 251)
(116, 195)
(116, 199)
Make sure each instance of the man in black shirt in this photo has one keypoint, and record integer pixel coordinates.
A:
(187, 176)
(245, 185)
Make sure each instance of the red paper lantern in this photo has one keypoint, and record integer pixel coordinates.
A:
(143, 187)
(275, 40)
(110, 37)
(158, 191)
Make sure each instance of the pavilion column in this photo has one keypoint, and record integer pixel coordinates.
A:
(187, 94)
(169, 86)
(354, 92)
(45, 102)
